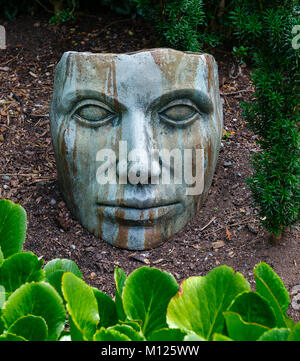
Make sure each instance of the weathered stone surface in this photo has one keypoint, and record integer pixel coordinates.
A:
(152, 99)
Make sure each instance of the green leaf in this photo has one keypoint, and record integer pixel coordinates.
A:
(106, 308)
(276, 334)
(75, 333)
(13, 224)
(270, 286)
(32, 328)
(19, 269)
(128, 331)
(295, 333)
(146, 295)
(1, 257)
(199, 304)
(110, 335)
(55, 280)
(120, 278)
(192, 336)
(220, 337)
(2, 296)
(10, 337)
(62, 264)
(81, 304)
(167, 334)
(240, 330)
(37, 299)
(55, 269)
(253, 309)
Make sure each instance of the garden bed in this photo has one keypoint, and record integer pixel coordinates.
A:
(225, 231)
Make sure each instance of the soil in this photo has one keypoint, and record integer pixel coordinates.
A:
(227, 229)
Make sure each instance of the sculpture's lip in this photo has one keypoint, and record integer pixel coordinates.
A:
(137, 216)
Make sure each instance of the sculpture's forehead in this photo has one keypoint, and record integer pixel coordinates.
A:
(124, 76)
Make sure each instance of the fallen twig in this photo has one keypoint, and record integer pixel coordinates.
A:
(237, 92)
(203, 228)
(232, 225)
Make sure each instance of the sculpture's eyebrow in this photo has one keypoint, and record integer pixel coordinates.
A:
(70, 98)
(197, 96)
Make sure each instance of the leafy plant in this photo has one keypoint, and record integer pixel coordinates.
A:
(36, 302)
(266, 28)
(240, 53)
(175, 21)
(62, 17)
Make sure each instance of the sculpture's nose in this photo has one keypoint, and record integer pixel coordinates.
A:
(141, 166)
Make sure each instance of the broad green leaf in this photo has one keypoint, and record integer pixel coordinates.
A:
(276, 334)
(240, 330)
(32, 328)
(62, 264)
(128, 331)
(270, 286)
(2, 300)
(146, 295)
(253, 309)
(199, 304)
(19, 269)
(167, 334)
(11, 337)
(1, 257)
(192, 336)
(136, 325)
(81, 304)
(120, 278)
(75, 333)
(110, 335)
(220, 337)
(106, 308)
(55, 280)
(2, 296)
(295, 333)
(55, 269)
(37, 299)
(13, 225)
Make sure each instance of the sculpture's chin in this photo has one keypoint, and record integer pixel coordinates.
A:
(137, 237)
(138, 229)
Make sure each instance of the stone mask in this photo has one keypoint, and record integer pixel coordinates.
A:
(117, 116)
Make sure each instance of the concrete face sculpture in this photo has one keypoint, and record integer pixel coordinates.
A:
(119, 117)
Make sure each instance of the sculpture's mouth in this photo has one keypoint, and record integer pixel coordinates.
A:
(133, 216)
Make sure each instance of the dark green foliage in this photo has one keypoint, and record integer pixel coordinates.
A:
(274, 114)
(176, 21)
(62, 17)
(123, 7)
(13, 8)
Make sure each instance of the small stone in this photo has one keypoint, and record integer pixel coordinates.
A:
(227, 164)
(296, 302)
(93, 275)
(295, 290)
(6, 177)
(5, 186)
(53, 202)
(73, 246)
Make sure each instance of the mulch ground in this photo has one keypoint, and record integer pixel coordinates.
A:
(226, 230)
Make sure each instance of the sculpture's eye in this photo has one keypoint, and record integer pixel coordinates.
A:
(94, 114)
(179, 113)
